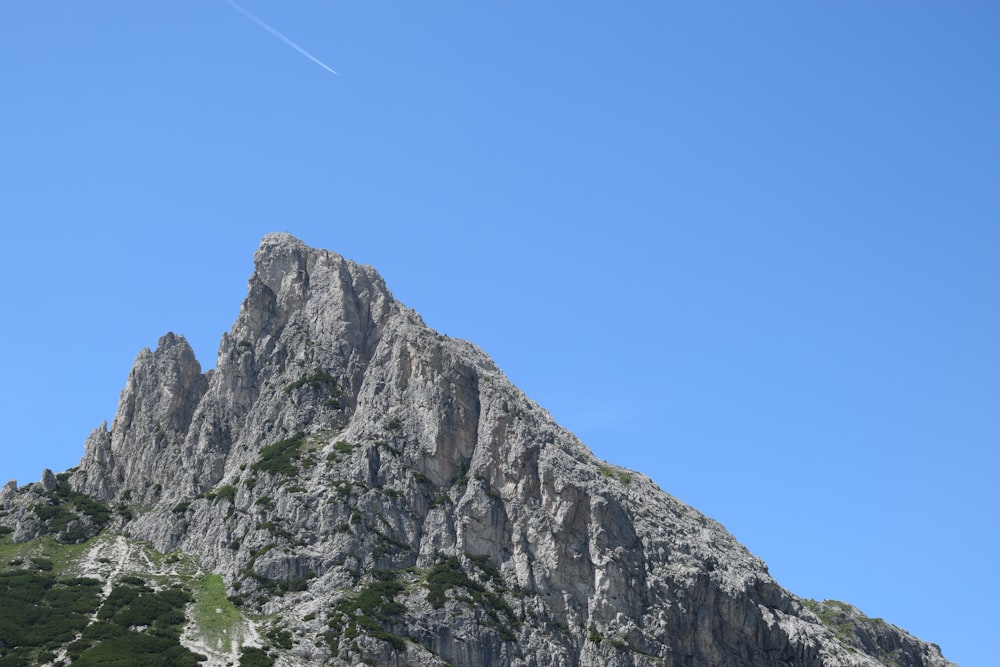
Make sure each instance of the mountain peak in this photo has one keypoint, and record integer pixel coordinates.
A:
(390, 497)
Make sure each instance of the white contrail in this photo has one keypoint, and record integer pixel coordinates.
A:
(277, 34)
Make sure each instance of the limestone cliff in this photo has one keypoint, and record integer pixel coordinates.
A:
(391, 497)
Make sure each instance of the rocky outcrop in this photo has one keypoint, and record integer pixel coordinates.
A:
(147, 446)
(392, 497)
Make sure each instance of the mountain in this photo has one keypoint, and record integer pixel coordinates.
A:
(348, 486)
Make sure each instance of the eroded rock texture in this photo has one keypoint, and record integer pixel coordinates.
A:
(392, 497)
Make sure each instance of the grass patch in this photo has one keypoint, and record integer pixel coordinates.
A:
(214, 614)
(616, 473)
(62, 556)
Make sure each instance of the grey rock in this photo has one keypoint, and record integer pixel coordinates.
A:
(48, 481)
(342, 450)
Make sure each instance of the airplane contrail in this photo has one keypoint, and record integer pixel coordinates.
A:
(277, 34)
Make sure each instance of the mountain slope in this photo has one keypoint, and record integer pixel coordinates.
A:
(373, 491)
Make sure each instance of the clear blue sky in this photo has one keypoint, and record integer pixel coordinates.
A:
(750, 249)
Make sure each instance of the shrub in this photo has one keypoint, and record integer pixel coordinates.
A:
(279, 458)
(447, 573)
(344, 447)
(255, 657)
(314, 379)
(373, 606)
(43, 564)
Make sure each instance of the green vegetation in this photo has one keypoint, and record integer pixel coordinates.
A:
(112, 641)
(322, 379)
(41, 612)
(843, 619)
(594, 636)
(394, 424)
(45, 609)
(383, 549)
(265, 585)
(341, 448)
(255, 657)
(370, 610)
(447, 574)
(280, 638)
(442, 500)
(616, 473)
(70, 516)
(43, 564)
(386, 446)
(344, 447)
(227, 492)
(343, 487)
(315, 379)
(46, 548)
(279, 458)
(214, 614)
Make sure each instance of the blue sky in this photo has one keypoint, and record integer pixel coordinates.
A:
(750, 250)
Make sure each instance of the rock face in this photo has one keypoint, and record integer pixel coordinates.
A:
(391, 497)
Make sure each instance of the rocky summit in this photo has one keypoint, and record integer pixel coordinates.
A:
(348, 487)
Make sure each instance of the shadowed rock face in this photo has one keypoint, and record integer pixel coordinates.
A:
(341, 448)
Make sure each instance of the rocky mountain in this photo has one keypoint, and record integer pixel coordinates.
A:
(348, 486)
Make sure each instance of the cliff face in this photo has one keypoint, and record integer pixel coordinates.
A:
(390, 496)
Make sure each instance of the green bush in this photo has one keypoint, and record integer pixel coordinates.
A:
(279, 458)
(316, 378)
(447, 573)
(40, 613)
(255, 657)
(280, 638)
(344, 447)
(372, 607)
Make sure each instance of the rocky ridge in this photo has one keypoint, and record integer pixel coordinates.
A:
(388, 496)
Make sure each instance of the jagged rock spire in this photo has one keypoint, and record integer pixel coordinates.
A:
(340, 442)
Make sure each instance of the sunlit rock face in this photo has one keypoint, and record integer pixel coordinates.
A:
(389, 496)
